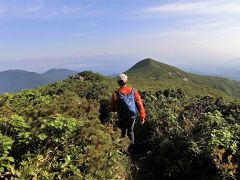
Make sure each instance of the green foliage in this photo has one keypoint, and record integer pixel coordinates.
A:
(4, 105)
(182, 134)
(54, 133)
(90, 76)
(15, 127)
(6, 161)
(74, 148)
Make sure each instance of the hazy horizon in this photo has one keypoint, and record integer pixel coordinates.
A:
(109, 69)
(111, 36)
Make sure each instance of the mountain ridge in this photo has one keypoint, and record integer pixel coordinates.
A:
(57, 74)
(153, 70)
(15, 80)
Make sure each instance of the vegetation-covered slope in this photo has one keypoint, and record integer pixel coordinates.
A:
(154, 69)
(157, 75)
(230, 87)
(54, 132)
(190, 138)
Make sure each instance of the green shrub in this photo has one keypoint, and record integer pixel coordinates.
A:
(181, 135)
(54, 133)
(6, 161)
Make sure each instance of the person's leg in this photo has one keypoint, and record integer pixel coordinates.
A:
(130, 130)
(122, 125)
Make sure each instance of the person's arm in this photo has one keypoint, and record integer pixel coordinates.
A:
(113, 102)
(140, 107)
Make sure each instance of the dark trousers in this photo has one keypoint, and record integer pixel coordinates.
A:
(127, 127)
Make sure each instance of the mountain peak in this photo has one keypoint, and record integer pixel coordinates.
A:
(147, 62)
(150, 59)
(153, 68)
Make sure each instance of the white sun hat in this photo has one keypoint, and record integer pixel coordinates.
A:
(123, 77)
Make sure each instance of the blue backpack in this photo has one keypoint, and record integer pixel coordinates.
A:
(127, 106)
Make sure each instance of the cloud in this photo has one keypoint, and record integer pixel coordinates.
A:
(205, 7)
(42, 9)
(194, 29)
(18, 9)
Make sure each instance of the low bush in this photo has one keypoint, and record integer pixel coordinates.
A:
(195, 138)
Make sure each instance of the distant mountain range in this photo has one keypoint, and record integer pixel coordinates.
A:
(228, 73)
(147, 74)
(156, 75)
(16, 80)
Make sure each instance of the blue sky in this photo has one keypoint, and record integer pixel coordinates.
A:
(111, 35)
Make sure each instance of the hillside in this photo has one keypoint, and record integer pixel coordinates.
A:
(16, 80)
(53, 132)
(152, 74)
(157, 70)
(65, 130)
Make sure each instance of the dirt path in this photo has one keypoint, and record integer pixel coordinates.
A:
(141, 168)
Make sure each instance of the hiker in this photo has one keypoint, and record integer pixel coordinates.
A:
(126, 101)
